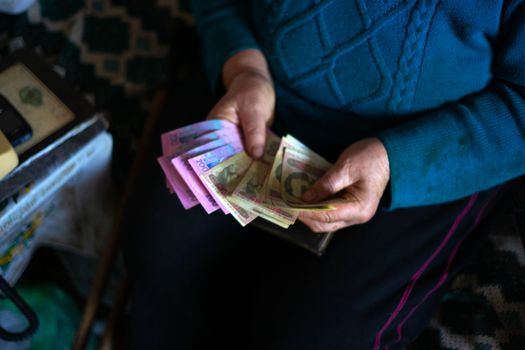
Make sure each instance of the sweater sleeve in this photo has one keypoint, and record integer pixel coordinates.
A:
(470, 145)
(223, 26)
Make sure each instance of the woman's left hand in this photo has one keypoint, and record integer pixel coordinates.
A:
(361, 173)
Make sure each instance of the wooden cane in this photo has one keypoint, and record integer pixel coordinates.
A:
(113, 242)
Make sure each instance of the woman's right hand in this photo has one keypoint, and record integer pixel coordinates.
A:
(249, 100)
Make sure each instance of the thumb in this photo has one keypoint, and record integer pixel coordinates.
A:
(336, 179)
(254, 130)
(225, 110)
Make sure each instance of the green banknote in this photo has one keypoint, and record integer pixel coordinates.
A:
(222, 180)
(248, 194)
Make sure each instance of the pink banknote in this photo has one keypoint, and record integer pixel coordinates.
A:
(204, 162)
(185, 195)
(173, 139)
(174, 182)
(183, 167)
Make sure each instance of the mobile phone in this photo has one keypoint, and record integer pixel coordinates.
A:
(12, 124)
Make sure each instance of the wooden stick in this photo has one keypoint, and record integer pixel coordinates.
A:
(107, 342)
(113, 243)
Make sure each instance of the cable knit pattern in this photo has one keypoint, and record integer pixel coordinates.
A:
(422, 75)
(329, 58)
(410, 61)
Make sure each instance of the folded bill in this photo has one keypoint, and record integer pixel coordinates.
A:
(223, 178)
(272, 187)
(299, 172)
(204, 162)
(181, 140)
(188, 175)
(272, 192)
(171, 140)
(176, 183)
(248, 193)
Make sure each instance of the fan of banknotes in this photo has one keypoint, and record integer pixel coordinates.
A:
(205, 164)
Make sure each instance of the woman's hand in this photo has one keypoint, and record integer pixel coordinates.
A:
(250, 98)
(361, 173)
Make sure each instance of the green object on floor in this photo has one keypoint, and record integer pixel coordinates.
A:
(58, 314)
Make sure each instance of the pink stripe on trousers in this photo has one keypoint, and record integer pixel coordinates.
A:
(419, 273)
(441, 281)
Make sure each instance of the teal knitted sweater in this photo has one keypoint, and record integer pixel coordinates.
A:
(440, 82)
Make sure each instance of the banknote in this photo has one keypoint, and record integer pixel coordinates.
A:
(186, 172)
(183, 192)
(300, 171)
(248, 194)
(270, 147)
(185, 195)
(204, 162)
(174, 138)
(223, 178)
(272, 189)
(270, 151)
(272, 186)
(202, 131)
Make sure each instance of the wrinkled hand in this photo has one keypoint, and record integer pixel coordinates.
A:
(249, 100)
(361, 174)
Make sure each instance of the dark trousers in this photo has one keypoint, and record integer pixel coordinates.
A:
(204, 282)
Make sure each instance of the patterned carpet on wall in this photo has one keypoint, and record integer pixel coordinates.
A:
(117, 51)
(114, 51)
(485, 307)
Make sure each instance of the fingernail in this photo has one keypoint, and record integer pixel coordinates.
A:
(257, 151)
(309, 196)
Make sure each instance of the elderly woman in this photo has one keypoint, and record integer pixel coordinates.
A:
(422, 106)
